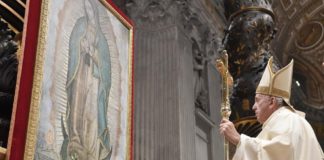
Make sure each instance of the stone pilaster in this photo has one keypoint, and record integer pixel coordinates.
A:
(165, 32)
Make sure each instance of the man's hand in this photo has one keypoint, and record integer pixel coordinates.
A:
(227, 129)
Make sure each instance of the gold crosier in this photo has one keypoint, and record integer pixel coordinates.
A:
(227, 81)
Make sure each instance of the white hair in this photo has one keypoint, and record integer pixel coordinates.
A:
(279, 101)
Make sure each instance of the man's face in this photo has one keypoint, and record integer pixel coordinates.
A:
(263, 107)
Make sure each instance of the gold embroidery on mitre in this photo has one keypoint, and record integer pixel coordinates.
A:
(270, 87)
(272, 74)
(275, 92)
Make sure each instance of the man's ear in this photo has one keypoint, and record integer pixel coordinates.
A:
(273, 102)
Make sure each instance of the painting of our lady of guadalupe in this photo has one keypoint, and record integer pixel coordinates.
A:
(85, 101)
(88, 85)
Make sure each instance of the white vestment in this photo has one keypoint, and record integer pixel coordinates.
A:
(284, 136)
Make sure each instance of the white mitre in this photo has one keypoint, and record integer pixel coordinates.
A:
(277, 84)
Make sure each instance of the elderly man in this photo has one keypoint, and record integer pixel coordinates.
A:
(285, 135)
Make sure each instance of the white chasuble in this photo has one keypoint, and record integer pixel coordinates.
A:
(284, 136)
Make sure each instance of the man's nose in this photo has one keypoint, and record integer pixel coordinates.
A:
(254, 107)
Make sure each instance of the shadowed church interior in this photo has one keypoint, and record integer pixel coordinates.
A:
(177, 87)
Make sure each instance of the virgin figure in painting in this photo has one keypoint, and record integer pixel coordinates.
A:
(86, 133)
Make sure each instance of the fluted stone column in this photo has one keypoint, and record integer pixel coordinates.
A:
(162, 110)
(164, 86)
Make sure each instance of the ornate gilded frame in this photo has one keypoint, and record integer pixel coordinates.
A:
(36, 73)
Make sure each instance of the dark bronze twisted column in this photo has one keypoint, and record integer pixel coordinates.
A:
(251, 26)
